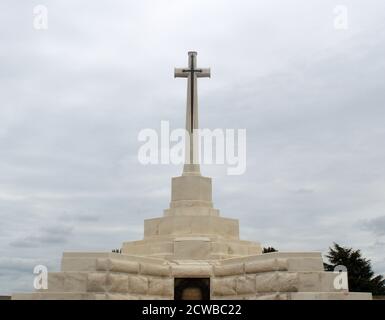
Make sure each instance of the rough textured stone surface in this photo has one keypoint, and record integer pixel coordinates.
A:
(192, 247)
(161, 287)
(266, 266)
(203, 270)
(138, 284)
(55, 281)
(305, 264)
(231, 269)
(274, 296)
(76, 264)
(331, 296)
(155, 270)
(117, 283)
(75, 282)
(277, 281)
(192, 226)
(223, 286)
(96, 282)
(117, 265)
(246, 284)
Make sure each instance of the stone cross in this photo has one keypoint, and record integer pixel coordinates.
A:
(192, 73)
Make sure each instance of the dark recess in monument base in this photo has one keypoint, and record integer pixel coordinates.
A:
(192, 289)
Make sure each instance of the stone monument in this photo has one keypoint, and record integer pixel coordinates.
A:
(191, 252)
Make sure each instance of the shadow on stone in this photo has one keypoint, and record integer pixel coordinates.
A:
(192, 289)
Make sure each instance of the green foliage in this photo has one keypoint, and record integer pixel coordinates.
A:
(361, 277)
(269, 249)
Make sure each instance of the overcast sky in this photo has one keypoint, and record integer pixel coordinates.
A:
(75, 96)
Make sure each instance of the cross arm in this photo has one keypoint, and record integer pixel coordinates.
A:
(205, 73)
(178, 73)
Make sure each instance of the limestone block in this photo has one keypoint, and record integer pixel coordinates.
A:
(54, 296)
(117, 282)
(78, 264)
(191, 188)
(224, 286)
(277, 282)
(137, 284)
(149, 297)
(154, 269)
(190, 204)
(191, 211)
(226, 297)
(75, 281)
(115, 265)
(310, 281)
(331, 296)
(119, 296)
(246, 284)
(24, 296)
(96, 282)
(55, 282)
(124, 266)
(102, 264)
(305, 264)
(219, 247)
(161, 287)
(287, 281)
(274, 296)
(192, 248)
(148, 247)
(192, 270)
(317, 281)
(327, 281)
(266, 266)
(100, 296)
(231, 269)
(237, 248)
(192, 225)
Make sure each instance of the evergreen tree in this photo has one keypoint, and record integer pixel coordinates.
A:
(269, 249)
(360, 274)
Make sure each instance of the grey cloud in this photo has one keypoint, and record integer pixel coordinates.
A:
(375, 225)
(82, 217)
(52, 235)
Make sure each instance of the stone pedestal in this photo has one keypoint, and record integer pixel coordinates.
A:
(191, 195)
(191, 228)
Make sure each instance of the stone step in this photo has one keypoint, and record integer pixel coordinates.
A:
(271, 282)
(301, 296)
(158, 280)
(192, 247)
(330, 296)
(82, 296)
(109, 282)
(193, 225)
(88, 261)
(295, 261)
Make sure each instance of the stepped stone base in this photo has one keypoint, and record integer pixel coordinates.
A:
(191, 248)
(276, 276)
(192, 226)
(190, 241)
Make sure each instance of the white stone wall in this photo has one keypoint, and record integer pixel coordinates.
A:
(268, 276)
